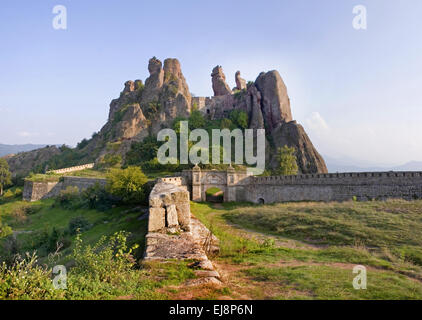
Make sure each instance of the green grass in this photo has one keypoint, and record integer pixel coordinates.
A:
(282, 251)
(308, 250)
(212, 191)
(54, 177)
(390, 223)
(328, 283)
(146, 281)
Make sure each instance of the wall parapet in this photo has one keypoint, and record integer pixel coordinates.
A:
(73, 169)
(339, 178)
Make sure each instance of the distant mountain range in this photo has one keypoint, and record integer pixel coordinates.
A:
(6, 149)
(352, 165)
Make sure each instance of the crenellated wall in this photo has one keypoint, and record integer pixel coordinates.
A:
(335, 187)
(73, 169)
(238, 186)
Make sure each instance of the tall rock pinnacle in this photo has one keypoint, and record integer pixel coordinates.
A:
(219, 85)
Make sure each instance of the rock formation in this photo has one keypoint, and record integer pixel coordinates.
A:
(240, 82)
(143, 110)
(219, 84)
(275, 101)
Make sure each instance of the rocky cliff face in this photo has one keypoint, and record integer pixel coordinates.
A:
(267, 103)
(144, 109)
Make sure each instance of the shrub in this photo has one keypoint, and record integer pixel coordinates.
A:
(5, 230)
(19, 215)
(196, 120)
(96, 197)
(239, 118)
(287, 161)
(109, 161)
(24, 279)
(127, 184)
(107, 260)
(5, 175)
(69, 198)
(78, 224)
(142, 151)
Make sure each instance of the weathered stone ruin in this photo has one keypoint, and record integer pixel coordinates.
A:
(174, 233)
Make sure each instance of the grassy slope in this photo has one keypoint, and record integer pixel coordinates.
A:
(283, 251)
(308, 250)
(145, 282)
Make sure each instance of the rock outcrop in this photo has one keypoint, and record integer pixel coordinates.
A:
(240, 82)
(275, 100)
(219, 85)
(143, 110)
(293, 134)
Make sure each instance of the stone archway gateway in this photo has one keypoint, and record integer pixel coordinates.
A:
(226, 181)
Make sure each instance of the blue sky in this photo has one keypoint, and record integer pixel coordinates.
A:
(357, 92)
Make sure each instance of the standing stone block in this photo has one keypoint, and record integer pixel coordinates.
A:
(156, 220)
(172, 216)
(155, 202)
(183, 214)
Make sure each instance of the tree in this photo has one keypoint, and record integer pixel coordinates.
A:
(239, 118)
(5, 175)
(142, 151)
(127, 184)
(196, 120)
(287, 160)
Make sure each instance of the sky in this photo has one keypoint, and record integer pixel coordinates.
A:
(356, 92)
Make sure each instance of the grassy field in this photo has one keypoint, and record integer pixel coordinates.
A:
(308, 250)
(282, 251)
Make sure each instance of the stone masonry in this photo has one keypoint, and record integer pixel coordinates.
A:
(174, 233)
(34, 191)
(238, 186)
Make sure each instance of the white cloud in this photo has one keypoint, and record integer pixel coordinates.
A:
(316, 122)
(27, 134)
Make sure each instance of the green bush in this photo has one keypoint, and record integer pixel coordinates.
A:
(142, 151)
(109, 161)
(25, 279)
(5, 230)
(196, 120)
(287, 161)
(107, 260)
(78, 224)
(69, 198)
(239, 118)
(127, 184)
(96, 197)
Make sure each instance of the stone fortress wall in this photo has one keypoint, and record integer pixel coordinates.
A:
(238, 186)
(34, 191)
(73, 169)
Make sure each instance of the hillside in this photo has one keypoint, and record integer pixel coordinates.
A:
(7, 149)
(283, 251)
